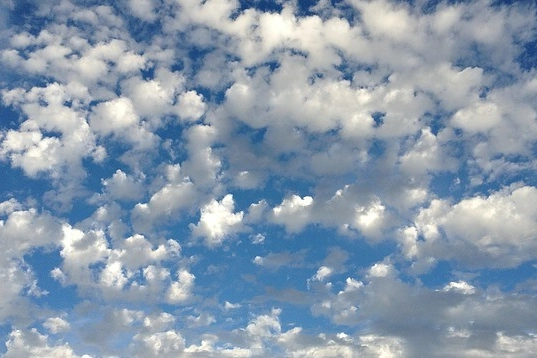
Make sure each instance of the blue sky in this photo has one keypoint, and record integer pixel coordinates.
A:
(268, 178)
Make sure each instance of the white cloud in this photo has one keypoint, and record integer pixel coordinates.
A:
(21, 232)
(180, 290)
(479, 117)
(380, 270)
(170, 200)
(322, 273)
(119, 117)
(293, 212)
(160, 344)
(56, 325)
(493, 231)
(143, 9)
(218, 221)
(463, 287)
(34, 344)
(123, 187)
(45, 110)
(190, 106)
(265, 326)
(231, 306)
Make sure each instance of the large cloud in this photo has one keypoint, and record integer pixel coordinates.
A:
(494, 231)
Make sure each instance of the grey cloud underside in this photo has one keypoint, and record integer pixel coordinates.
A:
(189, 130)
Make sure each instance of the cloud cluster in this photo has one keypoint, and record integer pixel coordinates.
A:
(230, 178)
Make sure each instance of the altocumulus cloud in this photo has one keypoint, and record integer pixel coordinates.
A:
(252, 178)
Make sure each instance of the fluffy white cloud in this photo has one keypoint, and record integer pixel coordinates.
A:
(293, 212)
(170, 200)
(218, 221)
(160, 344)
(21, 232)
(322, 273)
(180, 290)
(56, 324)
(34, 344)
(480, 117)
(143, 9)
(492, 231)
(123, 187)
(46, 111)
(190, 106)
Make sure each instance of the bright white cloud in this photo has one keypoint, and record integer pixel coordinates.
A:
(34, 344)
(293, 212)
(493, 231)
(180, 290)
(123, 187)
(218, 221)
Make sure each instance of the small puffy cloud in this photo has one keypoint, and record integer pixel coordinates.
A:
(136, 251)
(204, 164)
(203, 319)
(9, 206)
(123, 187)
(369, 219)
(34, 344)
(461, 287)
(167, 202)
(114, 116)
(190, 106)
(264, 326)
(275, 261)
(180, 291)
(114, 276)
(56, 325)
(257, 239)
(158, 322)
(293, 213)
(166, 344)
(142, 9)
(218, 221)
(380, 270)
(479, 117)
(154, 98)
(54, 137)
(231, 306)
(322, 273)
(79, 251)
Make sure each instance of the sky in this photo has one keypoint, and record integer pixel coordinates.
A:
(255, 178)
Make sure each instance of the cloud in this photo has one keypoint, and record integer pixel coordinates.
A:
(180, 290)
(56, 324)
(166, 164)
(491, 231)
(218, 221)
(275, 261)
(322, 273)
(122, 187)
(143, 9)
(293, 212)
(32, 343)
(23, 230)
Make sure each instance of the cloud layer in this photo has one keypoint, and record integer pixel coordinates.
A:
(230, 178)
